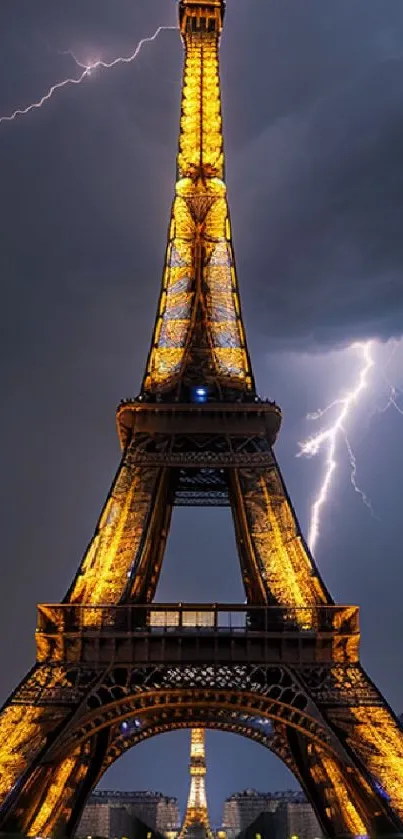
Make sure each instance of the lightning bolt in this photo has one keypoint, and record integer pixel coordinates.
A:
(328, 439)
(87, 70)
(394, 392)
(353, 477)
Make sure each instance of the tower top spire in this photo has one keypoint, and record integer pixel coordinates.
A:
(201, 15)
(199, 341)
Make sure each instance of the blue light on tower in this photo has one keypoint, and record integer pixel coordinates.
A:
(199, 394)
(128, 726)
(382, 792)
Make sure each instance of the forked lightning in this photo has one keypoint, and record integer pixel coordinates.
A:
(328, 438)
(87, 70)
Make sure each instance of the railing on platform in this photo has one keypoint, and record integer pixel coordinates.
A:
(196, 618)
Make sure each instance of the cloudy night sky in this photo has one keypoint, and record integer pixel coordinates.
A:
(313, 119)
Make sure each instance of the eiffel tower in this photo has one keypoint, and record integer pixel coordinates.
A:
(113, 667)
(196, 823)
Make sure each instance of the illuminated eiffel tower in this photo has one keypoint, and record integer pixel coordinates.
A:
(112, 667)
(196, 824)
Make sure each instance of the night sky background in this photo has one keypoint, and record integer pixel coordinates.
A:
(313, 95)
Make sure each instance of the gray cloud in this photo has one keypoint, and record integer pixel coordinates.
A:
(317, 187)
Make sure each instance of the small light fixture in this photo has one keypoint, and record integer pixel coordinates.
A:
(199, 394)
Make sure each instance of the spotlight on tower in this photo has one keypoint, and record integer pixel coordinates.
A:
(128, 726)
(199, 394)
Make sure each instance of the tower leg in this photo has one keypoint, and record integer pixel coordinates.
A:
(366, 727)
(37, 794)
(271, 545)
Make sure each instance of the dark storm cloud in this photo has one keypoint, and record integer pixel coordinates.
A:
(313, 137)
(317, 176)
(329, 268)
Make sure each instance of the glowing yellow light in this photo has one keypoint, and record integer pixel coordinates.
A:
(196, 809)
(377, 738)
(22, 736)
(67, 774)
(199, 223)
(328, 770)
(105, 572)
(278, 548)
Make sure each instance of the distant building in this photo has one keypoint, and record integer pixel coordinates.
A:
(243, 808)
(113, 814)
(106, 820)
(142, 831)
(264, 827)
(297, 819)
(291, 820)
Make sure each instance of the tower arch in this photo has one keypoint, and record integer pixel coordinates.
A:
(273, 712)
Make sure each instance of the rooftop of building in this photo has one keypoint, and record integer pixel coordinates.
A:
(281, 795)
(104, 795)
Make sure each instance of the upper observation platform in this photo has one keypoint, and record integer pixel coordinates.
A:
(241, 418)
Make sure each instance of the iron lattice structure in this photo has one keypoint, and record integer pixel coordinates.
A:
(196, 823)
(112, 667)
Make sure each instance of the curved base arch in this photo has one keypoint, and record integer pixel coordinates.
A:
(121, 705)
(104, 730)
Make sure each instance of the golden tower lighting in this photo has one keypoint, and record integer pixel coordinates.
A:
(113, 667)
(196, 823)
